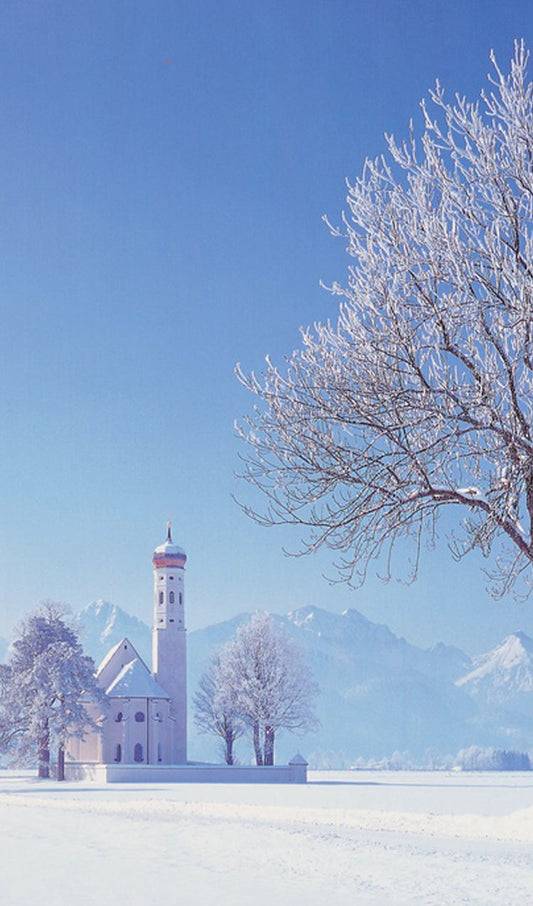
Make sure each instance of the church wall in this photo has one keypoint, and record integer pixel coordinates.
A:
(139, 726)
(88, 749)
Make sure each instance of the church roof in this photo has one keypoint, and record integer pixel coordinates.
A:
(114, 662)
(109, 655)
(298, 759)
(135, 681)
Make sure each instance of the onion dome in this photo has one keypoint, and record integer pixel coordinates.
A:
(168, 553)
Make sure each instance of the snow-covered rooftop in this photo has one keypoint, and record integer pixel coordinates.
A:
(109, 655)
(168, 553)
(135, 681)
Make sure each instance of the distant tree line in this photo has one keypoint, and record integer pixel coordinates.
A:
(477, 759)
(473, 758)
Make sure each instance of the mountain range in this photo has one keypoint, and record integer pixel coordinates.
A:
(378, 693)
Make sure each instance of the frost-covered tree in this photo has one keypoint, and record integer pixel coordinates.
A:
(11, 721)
(476, 758)
(262, 671)
(215, 711)
(419, 396)
(49, 679)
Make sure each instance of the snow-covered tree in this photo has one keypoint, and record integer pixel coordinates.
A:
(476, 758)
(11, 721)
(49, 679)
(215, 711)
(263, 673)
(419, 397)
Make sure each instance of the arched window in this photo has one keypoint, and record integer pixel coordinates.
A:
(161, 597)
(138, 752)
(118, 753)
(159, 753)
(139, 717)
(119, 716)
(171, 597)
(181, 598)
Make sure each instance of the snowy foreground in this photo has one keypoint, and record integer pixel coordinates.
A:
(345, 838)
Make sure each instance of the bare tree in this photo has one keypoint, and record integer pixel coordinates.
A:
(215, 711)
(264, 674)
(420, 396)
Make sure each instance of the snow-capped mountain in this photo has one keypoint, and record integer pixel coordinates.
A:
(502, 673)
(102, 625)
(378, 693)
(369, 645)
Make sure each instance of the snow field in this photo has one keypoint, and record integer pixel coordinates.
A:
(344, 838)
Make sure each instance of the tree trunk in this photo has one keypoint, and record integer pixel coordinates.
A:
(257, 745)
(44, 750)
(229, 747)
(269, 745)
(61, 762)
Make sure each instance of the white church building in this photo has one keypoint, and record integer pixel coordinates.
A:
(143, 731)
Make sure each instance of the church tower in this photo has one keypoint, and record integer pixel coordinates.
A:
(169, 641)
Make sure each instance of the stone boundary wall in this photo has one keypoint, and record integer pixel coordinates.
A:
(294, 772)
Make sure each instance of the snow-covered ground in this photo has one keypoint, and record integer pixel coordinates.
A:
(386, 839)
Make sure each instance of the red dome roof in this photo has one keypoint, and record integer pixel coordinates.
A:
(168, 553)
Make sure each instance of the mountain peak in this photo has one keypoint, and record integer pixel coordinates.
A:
(525, 640)
(515, 649)
(508, 666)
(320, 622)
(99, 608)
(103, 624)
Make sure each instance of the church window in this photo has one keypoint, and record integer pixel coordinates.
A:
(138, 752)
(118, 753)
(161, 597)
(139, 717)
(119, 717)
(171, 597)
(159, 754)
(181, 598)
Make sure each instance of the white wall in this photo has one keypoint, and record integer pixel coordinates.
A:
(190, 773)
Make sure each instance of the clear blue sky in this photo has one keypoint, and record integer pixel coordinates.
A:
(164, 167)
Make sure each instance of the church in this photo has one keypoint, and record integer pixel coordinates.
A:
(142, 734)
(146, 721)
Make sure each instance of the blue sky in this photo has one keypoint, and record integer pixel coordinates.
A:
(164, 168)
